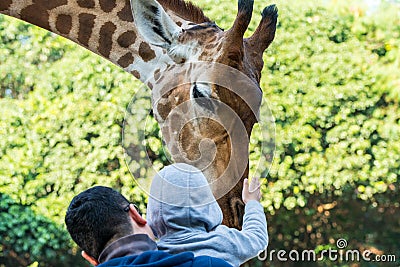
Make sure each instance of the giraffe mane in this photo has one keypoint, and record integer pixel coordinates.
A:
(186, 10)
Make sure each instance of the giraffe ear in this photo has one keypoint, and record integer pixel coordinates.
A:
(265, 32)
(154, 24)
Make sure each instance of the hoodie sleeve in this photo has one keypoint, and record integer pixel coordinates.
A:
(253, 237)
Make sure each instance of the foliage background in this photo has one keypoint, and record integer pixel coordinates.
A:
(332, 81)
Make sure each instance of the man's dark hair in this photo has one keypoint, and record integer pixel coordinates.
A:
(97, 216)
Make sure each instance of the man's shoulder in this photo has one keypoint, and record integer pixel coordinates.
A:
(160, 258)
(152, 258)
(209, 262)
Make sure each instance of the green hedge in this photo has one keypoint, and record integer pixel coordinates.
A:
(331, 80)
(28, 238)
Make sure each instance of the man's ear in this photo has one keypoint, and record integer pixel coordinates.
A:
(90, 259)
(154, 24)
(136, 216)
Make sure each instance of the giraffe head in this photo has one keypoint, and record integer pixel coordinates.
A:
(207, 97)
(188, 41)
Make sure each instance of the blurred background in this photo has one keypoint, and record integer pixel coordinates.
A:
(331, 79)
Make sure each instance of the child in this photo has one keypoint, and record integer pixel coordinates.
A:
(185, 216)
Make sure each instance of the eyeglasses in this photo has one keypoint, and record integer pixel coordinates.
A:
(127, 208)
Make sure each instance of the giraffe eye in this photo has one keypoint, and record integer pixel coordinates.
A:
(201, 93)
(201, 90)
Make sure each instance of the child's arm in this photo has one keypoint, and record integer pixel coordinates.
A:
(253, 238)
(254, 221)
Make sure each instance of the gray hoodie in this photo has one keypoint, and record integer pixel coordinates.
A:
(184, 215)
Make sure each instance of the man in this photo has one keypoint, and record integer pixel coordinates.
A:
(184, 216)
(111, 232)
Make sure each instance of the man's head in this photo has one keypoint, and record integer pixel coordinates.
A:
(100, 215)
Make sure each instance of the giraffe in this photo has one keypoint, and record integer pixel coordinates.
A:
(148, 39)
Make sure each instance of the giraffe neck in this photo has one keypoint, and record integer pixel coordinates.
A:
(105, 27)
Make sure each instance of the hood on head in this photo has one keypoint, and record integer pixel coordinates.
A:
(181, 200)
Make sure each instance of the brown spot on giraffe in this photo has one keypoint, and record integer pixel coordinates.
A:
(209, 46)
(157, 74)
(126, 13)
(163, 109)
(204, 54)
(86, 24)
(5, 4)
(36, 14)
(107, 5)
(64, 23)
(160, 80)
(145, 52)
(136, 74)
(213, 39)
(105, 43)
(126, 60)
(86, 3)
(126, 39)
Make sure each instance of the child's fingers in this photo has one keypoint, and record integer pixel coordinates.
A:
(246, 185)
(255, 184)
